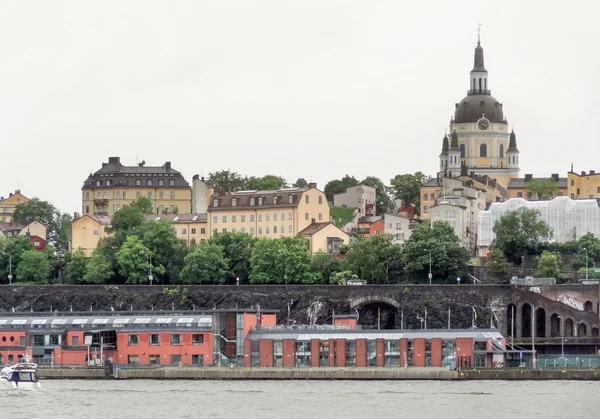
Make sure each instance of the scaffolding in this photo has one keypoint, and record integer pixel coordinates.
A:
(569, 219)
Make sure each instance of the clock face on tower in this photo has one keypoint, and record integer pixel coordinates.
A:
(483, 124)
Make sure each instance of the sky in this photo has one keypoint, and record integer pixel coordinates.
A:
(314, 89)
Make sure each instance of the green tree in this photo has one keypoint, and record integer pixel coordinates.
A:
(167, 250)
(542, 188)
(520, 232)
(448, 258)
(407, 187)
(341, 215)
(33, 267)
(383, 198)
(375, 259)
(77, 267)
(57, 224)
(143, 205)
(226, 181)
(337, 186)
(323, 266)
(100, 267)
(497, 265)
(266, 183)
(126, 221)
(277, 261)
(549, 266)
(134, 261)
(237, 250)
(205, 265)
(342, 278)
(588, 248)
(300, 183)
(11, 254)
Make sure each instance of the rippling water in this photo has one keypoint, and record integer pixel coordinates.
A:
(304, 399)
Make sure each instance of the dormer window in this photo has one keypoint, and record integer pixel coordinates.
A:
(215, 202)
(234, 202)
(251, 201)
(260, 201)
(138, 182)
(98, 183)
(149, 182)
(161, 182)
(290, 199)
(172, 182)
(108, 183)
(275, 199)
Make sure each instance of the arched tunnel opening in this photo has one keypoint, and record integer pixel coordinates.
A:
(377, 314)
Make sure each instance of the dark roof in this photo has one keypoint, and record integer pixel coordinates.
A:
(445, 145)
(474, 106)
(478, 64)
(244, 199)
(314, 228)
(12, 226)
(370, 220)
(179, 218)
(126, 176)
(520, 182)
(512, 143)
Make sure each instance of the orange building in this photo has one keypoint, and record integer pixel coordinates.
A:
(370, 226)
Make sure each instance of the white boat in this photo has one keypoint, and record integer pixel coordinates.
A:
(20, 376)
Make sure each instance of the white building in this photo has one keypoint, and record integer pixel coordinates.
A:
(200, 195)
(569, 219)
(361, 198)
(398, 226)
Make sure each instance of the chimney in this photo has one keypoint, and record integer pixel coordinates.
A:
(583, 173)
(312, 185)
(168, 165)
(528, 177)
(555, 176)
(75, 216)
(313, 221)
(1, 198)
(10, 194)
(114, 160)
(196, 177)
(104, 165)
(592, 172)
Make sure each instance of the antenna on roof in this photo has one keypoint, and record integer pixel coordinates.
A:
(136, 159)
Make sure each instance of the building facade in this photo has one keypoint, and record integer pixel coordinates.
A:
(569, 219)
(115, 185)
(87, 230)
(399, 227)
(517, 187)
(361, 198)
(192, 228)
(7, 205)
(480, 138)
(583, 186)
(369, 226)
(324, 237)
(201, 194)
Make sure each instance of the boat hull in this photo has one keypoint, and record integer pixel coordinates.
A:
(21, 385)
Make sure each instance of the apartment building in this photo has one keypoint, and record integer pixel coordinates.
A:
(7, 205)
(398, 226)
(583, 186)
(361, 197)
(86, 231)
(193, 228)
(517, 187)
(115, 185)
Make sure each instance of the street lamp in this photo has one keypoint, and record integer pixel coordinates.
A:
(150, 276)
(9, 268)
(430, 274)
(562, 336)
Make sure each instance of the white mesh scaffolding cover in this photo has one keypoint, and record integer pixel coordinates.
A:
(569, 219)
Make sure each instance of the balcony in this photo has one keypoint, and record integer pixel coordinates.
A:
(100, 202)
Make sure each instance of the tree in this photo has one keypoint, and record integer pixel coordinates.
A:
(237, 249)
(126, 221)
(33, 267)
(520, 232)
(549, 266)
(300, 183)
(266, 183)
(143, 205)
(134, 261)
(384, 202)
(205, 265)
(57, 224)
(323, 266)
(77, 267)
(407, 187)
(100, 268)
(342, 278)
(497, 265)
(588, 248)
(167, 250)
(226, 181)
(448, 258)
(375, 259)
(278, 261)
(337, 186)
(341, 216)
(542, 188)
(15, 247)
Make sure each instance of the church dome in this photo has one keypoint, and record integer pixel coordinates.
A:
(471, 108)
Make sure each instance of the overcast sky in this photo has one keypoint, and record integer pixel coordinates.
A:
(313, 89)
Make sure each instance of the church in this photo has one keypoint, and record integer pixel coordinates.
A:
(480, 142)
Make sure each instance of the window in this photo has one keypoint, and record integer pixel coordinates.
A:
(161, 195)
(234, 202)
(306, 215)
(259, 230)
(598, 189)
(149, 182)
(75, 341)
(124, 195)
(198, 360)
(260, 201)
(266, 217)
(138, 195)
(161, 209)
(501, 151)
(172, 182)
(289, 215)
(251, 201)
(154, 340)
(133, 340)
(289, 228)
(252, 218)
(175, 339)
(275, 217)
(425, 209)
(450, 214)
(320, 200)
(98, 183)
(224, 230)
(572, 182)
(96, 232)
(193, 231)
(138, 182)
(108, 183)
(242, 218)
(275, 229)
(224, 219)
(259, 217)
(267, 230)
(519, 194)
(275, 199)
(306, 199)
(251, 230)
(483, 150)
(463, 151)
(282, 216)
(150, 195)
(320, 217)
(133, 359)
(202, 231)
(215, 219)
(197, 339)
(425, 197)
(377, 232)
(171, 195)
(99, 195)
(243, 229)
(105, 195)
(161, 182)
(233, 230)
(398, 226)
(183, 231)
(290, 199)
(215, 202)
(154, 359)
(175, 359)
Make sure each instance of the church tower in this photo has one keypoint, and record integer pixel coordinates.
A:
(455, 162)
(444, 154)
(512, 153)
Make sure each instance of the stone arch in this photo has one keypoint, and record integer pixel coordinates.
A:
(511, 320)
(555, 326)
(595, 331)
(526, 320)
(569, 328)
(582, 330)
(540, 323)
(588, 306)
(373, 299)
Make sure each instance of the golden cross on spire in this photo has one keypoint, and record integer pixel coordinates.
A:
(479, 25)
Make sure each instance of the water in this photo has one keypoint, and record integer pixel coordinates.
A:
(304, 399)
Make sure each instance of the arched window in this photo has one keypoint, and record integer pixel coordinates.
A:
(480, 84)
(501, 151)
(149, 182)
(138, 182)
(161, 182)
(172, 182)
(290, 199)
(463, 152)
(234, 202)
(251, 201)
(483, 150)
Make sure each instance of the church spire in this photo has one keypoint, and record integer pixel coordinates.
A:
(512, 142)
(479, 73)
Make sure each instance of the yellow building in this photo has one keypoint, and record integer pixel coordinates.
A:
(324, 237)
(517, 187)
(283, 212)
(87, 230)
(7, 205)
(32, 229)
(193, 228)
(115, 185)
(583, 186)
